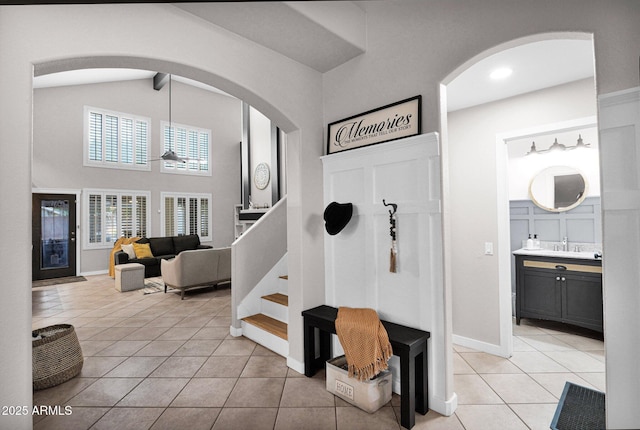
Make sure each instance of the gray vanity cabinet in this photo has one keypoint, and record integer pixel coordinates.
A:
(559, 289)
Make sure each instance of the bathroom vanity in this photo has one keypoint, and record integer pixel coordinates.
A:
(559, 286)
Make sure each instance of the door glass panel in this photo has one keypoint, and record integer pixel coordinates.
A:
(55, 234)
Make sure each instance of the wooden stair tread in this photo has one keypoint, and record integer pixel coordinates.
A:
(285, 277)
(279, 298)
(266, 323)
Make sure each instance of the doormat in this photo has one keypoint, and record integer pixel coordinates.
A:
(57, 281)
(580, 408)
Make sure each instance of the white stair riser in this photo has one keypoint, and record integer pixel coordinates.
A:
(275, 310)
(266, 339)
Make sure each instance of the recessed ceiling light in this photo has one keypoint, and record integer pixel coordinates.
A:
(501, 73)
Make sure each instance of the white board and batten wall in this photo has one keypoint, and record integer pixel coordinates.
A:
(405, 172)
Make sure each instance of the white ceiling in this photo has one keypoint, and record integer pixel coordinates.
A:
(535, 66)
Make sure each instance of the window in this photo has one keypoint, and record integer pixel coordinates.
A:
(188, 142)
(184, 214)
(116, 140)
(111, 214)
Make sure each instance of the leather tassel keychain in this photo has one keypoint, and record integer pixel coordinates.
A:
(393, 253)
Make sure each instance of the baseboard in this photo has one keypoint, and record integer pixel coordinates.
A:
(489, 348)
(97, 272)
(296, 365)
(442, 406)
(235, 332)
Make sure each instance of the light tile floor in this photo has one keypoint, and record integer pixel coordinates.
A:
(156, 362)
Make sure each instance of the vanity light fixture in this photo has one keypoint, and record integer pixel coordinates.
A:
(556, 146)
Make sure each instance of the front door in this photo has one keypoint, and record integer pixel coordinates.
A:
(54, 236)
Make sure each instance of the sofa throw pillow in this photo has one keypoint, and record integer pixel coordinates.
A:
(143, 250)
(128, 248)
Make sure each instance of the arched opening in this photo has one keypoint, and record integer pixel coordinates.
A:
(485, 277)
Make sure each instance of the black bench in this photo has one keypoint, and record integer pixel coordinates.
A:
(408, 343)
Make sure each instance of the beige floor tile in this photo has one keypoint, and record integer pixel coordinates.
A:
(460, 348)
(187, 418)
(265, 367)
(147, 333)
(482, 362)
(212, 333)
(577, 361)
(205, 393)
(128, 419)
(473, 390)
(122, 348)
(134, 322)
(105, 392)
(160, 348)
(79, 419)
(222, 367)
(518, 388)
(546, 342)
(246, 418)
(99, 366)
(520, 345)
(198, 347)
(179, 367)
(306, 418)
(460, 366)
(136, 367)
(536, 416)
(193, 321)
(92, 347)
(434, 421)
(238, 346)
(484, 417)
(256, 392)
(554, 382)
(351, 418)
(178, 333)
(536, 362)
(598, 380)
(85, 333)
(581, 343)
(523, 329)
(154, 392)
(220, 321)
(60, 394)
(306, 392)
(598, 355)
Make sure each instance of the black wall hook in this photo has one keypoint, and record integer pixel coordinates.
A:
(393, 205)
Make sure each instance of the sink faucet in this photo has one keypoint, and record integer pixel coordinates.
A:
(565, 243)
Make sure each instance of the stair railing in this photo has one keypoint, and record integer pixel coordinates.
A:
(254, 254)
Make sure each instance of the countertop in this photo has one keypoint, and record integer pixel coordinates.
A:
(584, 255)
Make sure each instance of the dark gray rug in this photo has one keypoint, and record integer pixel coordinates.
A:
(57, 281)
(580, 408)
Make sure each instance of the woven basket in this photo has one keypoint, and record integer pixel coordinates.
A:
(57, 356)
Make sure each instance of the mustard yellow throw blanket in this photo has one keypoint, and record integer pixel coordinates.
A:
(117, 247)
(364, 340)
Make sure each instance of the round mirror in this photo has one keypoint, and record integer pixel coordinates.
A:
(558, 188)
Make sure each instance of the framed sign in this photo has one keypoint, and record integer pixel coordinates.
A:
(394, 121)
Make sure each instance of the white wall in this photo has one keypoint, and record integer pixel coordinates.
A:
(156, 37)
(260, 138)
(474, 191)
(58, 127)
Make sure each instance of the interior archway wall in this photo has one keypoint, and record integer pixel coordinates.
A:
(490, 329)
(152, 37)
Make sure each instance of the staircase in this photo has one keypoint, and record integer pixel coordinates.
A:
(269, 327)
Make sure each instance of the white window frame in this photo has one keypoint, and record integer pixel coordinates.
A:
(200, 163)
(135, 153)
(119, 194)
(207, 236)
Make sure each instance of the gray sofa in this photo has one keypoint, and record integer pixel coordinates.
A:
(197, 268)
(162, 248)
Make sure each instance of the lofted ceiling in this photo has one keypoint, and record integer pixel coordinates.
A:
(314, 34)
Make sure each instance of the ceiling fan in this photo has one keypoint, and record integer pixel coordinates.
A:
(169, 154)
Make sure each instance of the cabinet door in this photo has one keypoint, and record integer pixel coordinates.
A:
(582, 300)
(541, 295)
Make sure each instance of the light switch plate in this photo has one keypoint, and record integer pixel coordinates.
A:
(488, 248)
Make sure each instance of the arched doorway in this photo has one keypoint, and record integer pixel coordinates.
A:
(477, 242)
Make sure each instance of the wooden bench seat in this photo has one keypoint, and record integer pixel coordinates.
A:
(408, 343)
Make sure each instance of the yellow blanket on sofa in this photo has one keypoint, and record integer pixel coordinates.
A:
(117, 246)
(364, 340)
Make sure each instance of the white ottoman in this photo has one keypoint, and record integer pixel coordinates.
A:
(129, 276)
